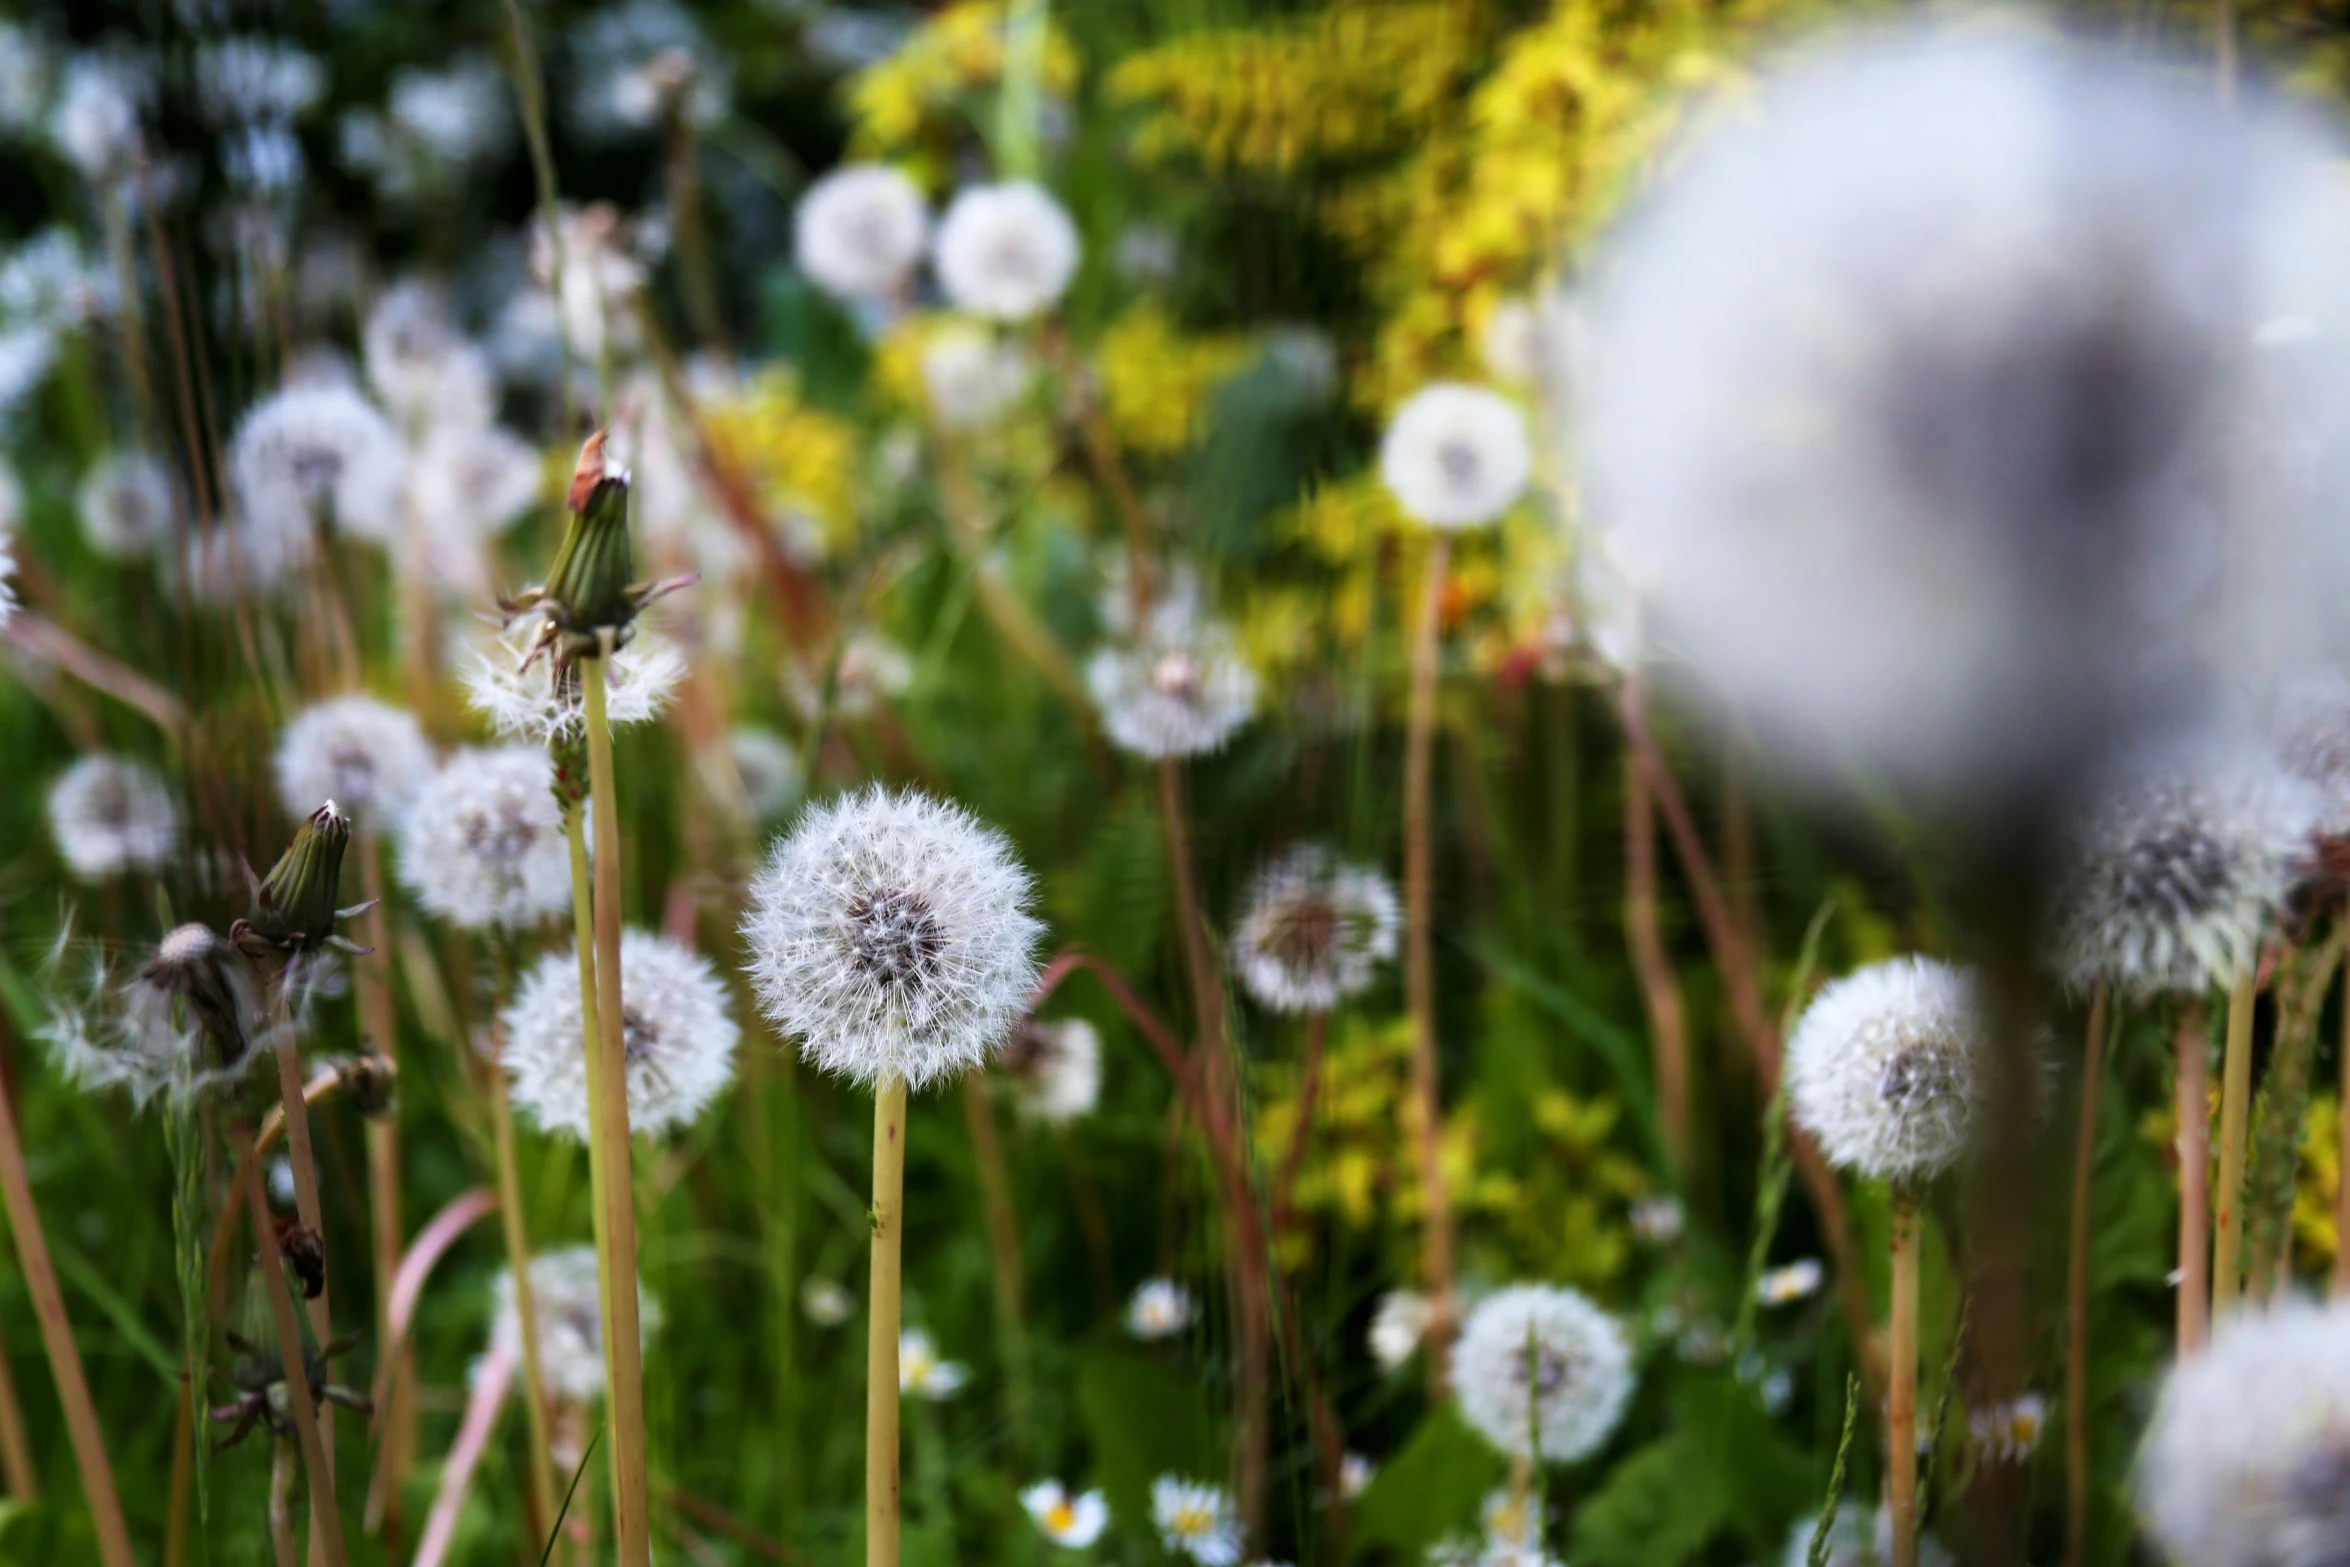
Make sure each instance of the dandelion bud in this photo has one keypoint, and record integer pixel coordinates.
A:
(294, 906)
(587, 587)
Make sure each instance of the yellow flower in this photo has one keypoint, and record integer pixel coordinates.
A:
(1156, 383)
(911, 107)
(801, 463)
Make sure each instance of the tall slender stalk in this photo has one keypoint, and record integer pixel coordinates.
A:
(1660, 990)
(281, 1504)
(541, 1480)
(17, 1469)
(65, 1361)
(1309, 1092)
(304, 1161)
(1419, 879)
(2076, 1315)
(326, 1523)
(2194, 1148)
(2235, 1119)
(379, 1023)
(623, 1342)
(1003, 1249)
(1902, 1405)
(884, 1322)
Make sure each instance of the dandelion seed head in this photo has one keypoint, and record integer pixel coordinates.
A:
(424, 369)
(110, 814)
(242, 81)
(971, 378)
(1073, 1521)
(1184, 690)
(1196, 1520)
(1160, 1308)
(677, 1036)
(2311, 726)
(1455, 455)
(860, 231)
(1534, 1360)
(455, 116)
(890, 932)
(1005, 252)
(125, 506)
(826, 1302)
(1313, 931)
(1055, 1068)
(1886, 1068)
(483, 845)
(871, 671)
(642, 61)
(367, 754)
(567, 1309)
(95, 120)
(313, 455)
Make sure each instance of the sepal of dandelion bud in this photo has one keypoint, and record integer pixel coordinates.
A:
(294, 909)
(589, 592)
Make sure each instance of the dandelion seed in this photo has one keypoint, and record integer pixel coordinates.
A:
(1055, 1068)
(1005, 252)
(1161, 1308)
(1538, 1362)
(1456, 456)
(1885, 1068)
(826, 1303)
(2009, 1432)
(1074, 1522)
(678, 1039)
(310, 457)
(1313, 931)
(1397, 1326)
(2174, 870)
(186, 1022)
(860, 230)
(1787, 1285)
(109, 815)
(890, 933)
(483, 845)
(125, 506)
(1196, 1520)
(1184, 691)
(570, 1321)
(367, 754)
(921, 1372)
(639, 680)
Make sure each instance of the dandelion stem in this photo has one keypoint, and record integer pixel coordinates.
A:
(307, 1208)
(1419, 875)
(380, 1031)
(1902, 1412)
(23, 1477)
(281, 1504)
(2076, 1316)
(1660, 991)
(541, 1488)
(1309, 1090)
(623, 1343)
(2235, 1120)
(2194, 1149)
(1003, 1247)
(326, 1524)
(881, 1340)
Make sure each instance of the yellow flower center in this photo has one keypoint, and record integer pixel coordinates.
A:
(1193, 1520)
(1060, 1518)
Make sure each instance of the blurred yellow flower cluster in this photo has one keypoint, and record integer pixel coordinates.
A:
(913, 106)
(800, 462)
(1157, 383)
(2314, 1240)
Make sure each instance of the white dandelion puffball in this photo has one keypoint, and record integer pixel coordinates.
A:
(1161, 1308)
(1005, 252)
(483, 845)
(95, 119)
(1183, 691)
(970, 378)
(826, 1302)
(678, 1039)
(922, 1373)
(368, 756)
(1535, 1361)
(1055, 1068)
(2311, 725)
(2174, 870)
(1859, 1537)
(1196, 1520)
(1073, 1522)
(315, 455)
(770, 769)
(1886, 1068)
(188, 1020)
(1313, 931)
(543, 704)
(468, 482)
(1456, 456)
(2247, 1460)
(420, 364)
(870, 670)
(859, 231)
(1398, 1324)
(1935, 398)
(110, 814)
(890, 932)
(568, 1312)
(125, 506)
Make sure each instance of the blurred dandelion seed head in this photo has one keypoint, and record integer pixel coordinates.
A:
(2311, 725)
(971, 378)
(1184, 690)
(1314, 930)
(1398, 1324)
(860, 231)
(483, 845)
(125, 506)
(110, 814)
(1159, 1309)
(1055, 1068)
(1540, 1363)
(678, 1035)
(1005, 252)
(826, 1302)
(1886, 1068)
(1456, 456)
(772, 777)
(313, 455)
(368, 754)
(567, 1309)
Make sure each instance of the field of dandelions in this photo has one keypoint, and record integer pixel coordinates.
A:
(1476, 782)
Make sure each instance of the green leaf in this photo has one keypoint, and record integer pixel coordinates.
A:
(1145, 1420)
(1429, 1490)
(1725, 1469)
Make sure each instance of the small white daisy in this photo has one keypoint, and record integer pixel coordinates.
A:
(1071, 1521)
(1786, 1285)
(542, 706)
(826, 1302)
(1885, 1068)
(1006, 252)
(110, 814)
(1055, 1068)
(678, 1038)
(860, 230)
(568, 1311)
(1456, 456)
(922, 1373)
(2009, 1432)
(1196, 1519)
(483, 845)
(1398, 1324)
(1354, 1474)
(1161, 1308)
(1536, 1363)
(1313, 931)
(126, 506)
(314, 456)
(1184, 691)
(368, 755)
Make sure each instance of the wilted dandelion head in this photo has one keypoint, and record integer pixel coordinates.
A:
(1859, 1536)
(1183, 690)
(1313, 930)
(544, 706)
(677, 1037)
(1930, 401)
(1887, 1068)
(859, 231)
(1070, 1521)
(315, 455)
(110, 814)
(1456, 456)
(188, 1019)
(770, 769)
(1160, 1308)
(1055, 1068)
(483, 845)
(125, 506)
(1196, 1520)
(568, 1312)
(1538, 1363)
(1006, 252)
(2247, 1461)
(366, 754)
(890, 932)
(2173, 871)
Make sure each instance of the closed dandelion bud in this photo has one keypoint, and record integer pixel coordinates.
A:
(294, 905)
(1542, 1365)
(589, 589)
